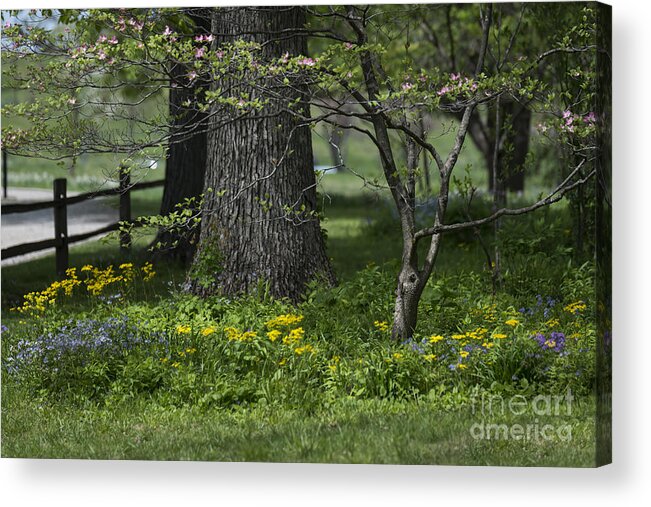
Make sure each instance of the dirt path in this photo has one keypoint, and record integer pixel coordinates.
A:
(20, 228)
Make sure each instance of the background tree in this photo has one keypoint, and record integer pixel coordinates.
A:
(186, 156)
(391, 97)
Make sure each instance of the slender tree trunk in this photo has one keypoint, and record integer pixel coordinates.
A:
(263, 229)
(186, 156)
(520, 134)
(510, 169)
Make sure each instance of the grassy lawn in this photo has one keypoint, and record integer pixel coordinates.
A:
(351, 431)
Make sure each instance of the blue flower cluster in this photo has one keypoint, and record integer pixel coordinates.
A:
(555, 342)
(542, 304)
(84, 337)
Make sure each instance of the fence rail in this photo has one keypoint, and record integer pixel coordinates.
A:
(60, 204)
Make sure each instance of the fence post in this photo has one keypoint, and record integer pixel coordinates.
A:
(4, 173)
(61, 226)
(125, 206)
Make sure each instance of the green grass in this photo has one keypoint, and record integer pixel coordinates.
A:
(351, 431)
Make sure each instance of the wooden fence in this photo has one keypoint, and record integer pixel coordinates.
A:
(60, 203)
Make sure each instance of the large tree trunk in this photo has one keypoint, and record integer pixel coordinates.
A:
(263, 229)
(186, 156)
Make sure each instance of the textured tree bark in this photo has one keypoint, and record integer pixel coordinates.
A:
(408, 293)
(263, 229)
(186, 156)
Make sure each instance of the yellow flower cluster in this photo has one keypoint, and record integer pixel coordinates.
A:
(182, 329)
(284, 321)
(37, 301)
(305, 349)
(480, 334)
(512, 322)
(235, 335)
(102, 278)
(127, 271)
(274, 334)
(294, 336)
(577, 307)
(477, 334)
(147, 271)
(551, 323)
(489, 313)
(207, 331)
(381, 325)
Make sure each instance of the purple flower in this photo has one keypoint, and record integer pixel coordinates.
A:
(555, 342)
(590, 118)
(307, 62)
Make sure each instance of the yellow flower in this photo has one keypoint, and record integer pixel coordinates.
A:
(248, 336)
(458, 336)
(181, 329)
(148, 271)
(176, 364)
(464, 353)
(462, 366)
(333, 364)
(87, 267)
(487, 345)
(499, 336)
(577, 307)
(436, 338)
(163, 359)
(512, 322)
(283, 321)
(294, 336)
(381, 325)
(282, 362)
(429, 357)
(397, 355)
(207, 331)
(232, 333)
(304, 349)
(274, 334)
(126, 265)
(552, 323)
(191, 350)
